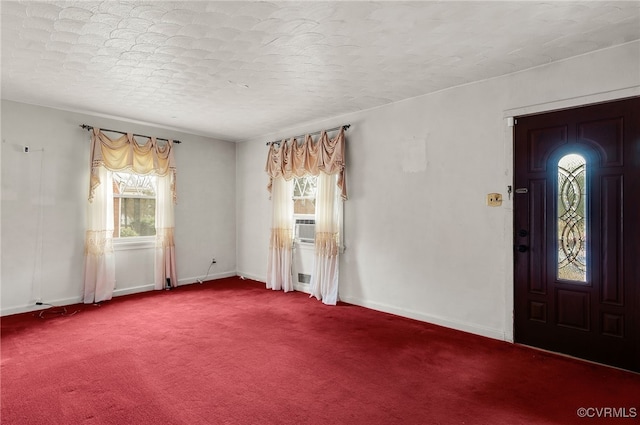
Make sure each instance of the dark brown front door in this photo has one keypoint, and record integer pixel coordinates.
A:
(577, 232)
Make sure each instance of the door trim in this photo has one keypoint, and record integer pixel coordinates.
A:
(510, 218)
(573, 102)
(509, 166)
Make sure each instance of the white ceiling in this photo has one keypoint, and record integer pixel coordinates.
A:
(236, 70)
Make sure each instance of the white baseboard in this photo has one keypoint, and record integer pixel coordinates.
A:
(447, 323)
(32, 307)
(453, 324)
(134, 290)
(252, 277)
(197, 279)
(302, 287)
(22, 309)
(116, 293)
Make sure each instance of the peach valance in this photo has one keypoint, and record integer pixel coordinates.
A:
(127, 154)
(292, 159)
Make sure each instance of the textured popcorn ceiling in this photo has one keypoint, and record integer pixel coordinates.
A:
(235, 70)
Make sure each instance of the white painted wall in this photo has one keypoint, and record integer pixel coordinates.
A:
(205, 214)
(420, 240)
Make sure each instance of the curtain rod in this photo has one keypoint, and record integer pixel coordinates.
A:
(89, 128)
(345, 126)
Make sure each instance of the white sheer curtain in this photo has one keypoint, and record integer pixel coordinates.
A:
(323, 158)
(281, 242)
(127, 154)
(99, 259)
(165, 259)
(324, 279)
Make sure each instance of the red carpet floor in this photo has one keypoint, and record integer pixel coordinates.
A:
(232, 352)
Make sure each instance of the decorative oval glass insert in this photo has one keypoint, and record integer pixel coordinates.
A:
(572, 229)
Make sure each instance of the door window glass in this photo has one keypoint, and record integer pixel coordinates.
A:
(572, 230)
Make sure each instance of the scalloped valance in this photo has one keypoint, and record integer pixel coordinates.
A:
(126, 154)
(291, 159)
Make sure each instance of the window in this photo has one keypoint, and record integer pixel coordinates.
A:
(304, 195)
(134, 205)
(304, 208)
(572, 229)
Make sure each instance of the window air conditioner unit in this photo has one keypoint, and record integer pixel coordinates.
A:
(306, 231)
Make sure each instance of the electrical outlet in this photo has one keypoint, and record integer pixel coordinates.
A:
(494, 199)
